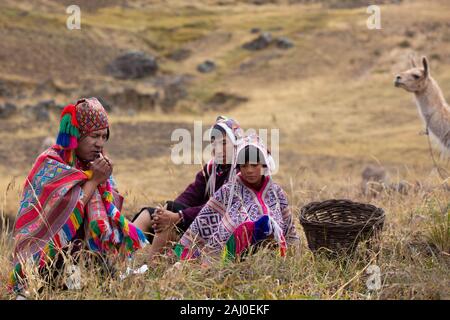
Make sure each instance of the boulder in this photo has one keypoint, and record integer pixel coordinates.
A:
(4, 92)
(41, 110)
(133, 65)
(7, 110)
(40, 113)
(261, 42)
(179, 54)
(206, 67)
(284, 43)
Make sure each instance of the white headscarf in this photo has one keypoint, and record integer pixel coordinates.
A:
(235, 133)
(255, 141)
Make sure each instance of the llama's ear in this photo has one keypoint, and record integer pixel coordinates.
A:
(412, 61)
(426, 68)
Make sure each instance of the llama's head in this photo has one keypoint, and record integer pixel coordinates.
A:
(414, 79)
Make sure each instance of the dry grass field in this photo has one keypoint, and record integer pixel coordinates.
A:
(331, 96)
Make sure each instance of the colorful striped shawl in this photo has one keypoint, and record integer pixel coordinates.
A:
(51, 212)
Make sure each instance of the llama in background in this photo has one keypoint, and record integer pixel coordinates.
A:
(431, 103)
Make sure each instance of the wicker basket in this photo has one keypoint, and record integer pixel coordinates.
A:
(339, 225)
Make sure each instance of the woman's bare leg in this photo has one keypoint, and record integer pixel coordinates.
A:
(160, 242)
(143, 221)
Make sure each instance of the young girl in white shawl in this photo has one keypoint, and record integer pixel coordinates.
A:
(250, 208)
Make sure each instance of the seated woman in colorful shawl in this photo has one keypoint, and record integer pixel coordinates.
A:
(70, 197)
(165, 224)
(248, 209)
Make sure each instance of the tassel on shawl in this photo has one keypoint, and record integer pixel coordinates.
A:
(68, 128)
(69, 133)
(133, 237)
(250, 233)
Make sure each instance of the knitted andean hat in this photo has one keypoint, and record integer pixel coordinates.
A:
(78, 120)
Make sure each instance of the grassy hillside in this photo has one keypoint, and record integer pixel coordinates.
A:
(331, 96)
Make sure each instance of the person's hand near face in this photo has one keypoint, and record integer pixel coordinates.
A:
(101, 169)
(90, 150)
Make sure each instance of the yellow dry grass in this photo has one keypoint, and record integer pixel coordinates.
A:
(333, 100)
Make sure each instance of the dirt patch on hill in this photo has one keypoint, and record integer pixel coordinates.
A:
(142, 140)
(137, 141)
